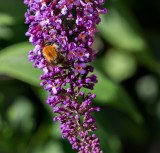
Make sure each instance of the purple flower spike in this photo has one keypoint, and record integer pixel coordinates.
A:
(62, 32)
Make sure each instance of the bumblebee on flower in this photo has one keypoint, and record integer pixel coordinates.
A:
(53, 54)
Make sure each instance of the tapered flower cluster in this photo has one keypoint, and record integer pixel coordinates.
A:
(70, 25)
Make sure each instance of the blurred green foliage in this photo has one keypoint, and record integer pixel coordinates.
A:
(127, 92)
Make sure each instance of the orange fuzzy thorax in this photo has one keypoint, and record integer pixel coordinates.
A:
(50, 52)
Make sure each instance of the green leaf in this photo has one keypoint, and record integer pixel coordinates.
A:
(14, 62)
(116, 30)
(6, 19)
(113, 94)
(120, 28)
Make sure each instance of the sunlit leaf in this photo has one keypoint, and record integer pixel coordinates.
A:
(118, 29)
(121, 29)
(14, 62)
(6, 19)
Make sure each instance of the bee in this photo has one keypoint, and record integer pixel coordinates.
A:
(53, 54)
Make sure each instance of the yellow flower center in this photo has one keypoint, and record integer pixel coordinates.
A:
(79, 68)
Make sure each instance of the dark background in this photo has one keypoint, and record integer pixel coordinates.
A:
(128, 89)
